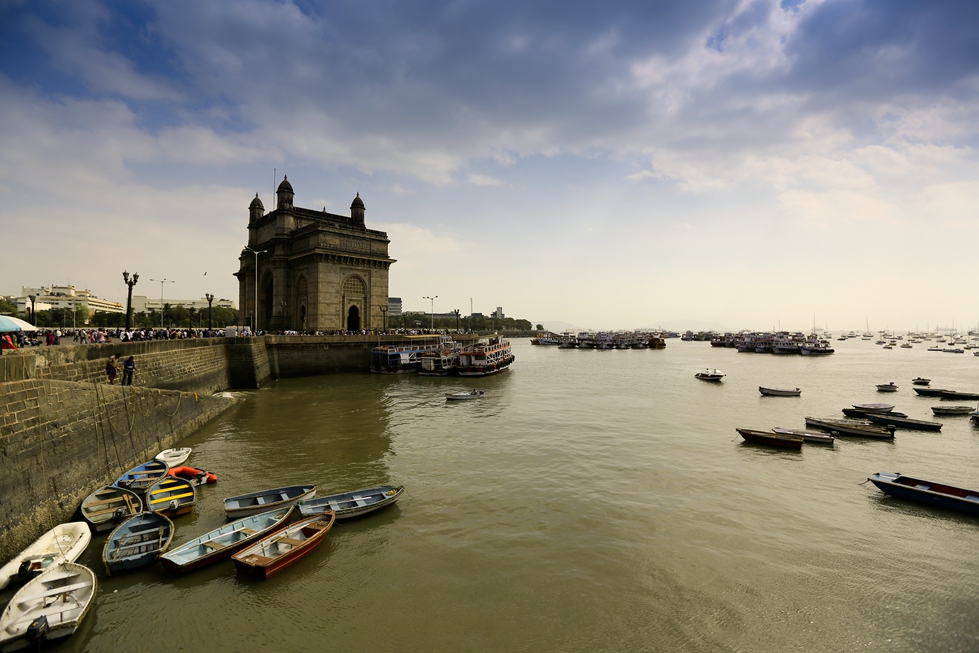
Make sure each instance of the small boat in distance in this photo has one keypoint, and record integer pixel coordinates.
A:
(928, 392)
(952, 410)
(174, 457)
(463, 396)
(859, 428)
(887, 387)
(48, 608)
(952, 394)
(265, 500)
(813, 437)
(353, 504)
(63, 543)
(225, 541)
(904, 422)
(274, 553)
(780, 440)
(779, 392)
(920, 381)
(710, 375)
(936, 494)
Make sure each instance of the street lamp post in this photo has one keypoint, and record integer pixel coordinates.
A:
(129, 300)
(433, 309)
(33, 310)
(255, 307)
(210, 298)
(384, 317)
(456, 311)
(162, 281)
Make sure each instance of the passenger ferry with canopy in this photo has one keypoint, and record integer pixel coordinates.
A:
(405, 358)
(488, 356)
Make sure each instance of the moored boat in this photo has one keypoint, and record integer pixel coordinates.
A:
(225, 541)
(174, 457)
(920, 381)
(265, 500)
(952, 410)
(194, 475)
(812, 437)
(874, 408)
(48, 608)
(936, 494)
(273, 553)
(779, 392)
(858, 413)
(137, 542)
(142, 476)
(928, 392)
(887, 387)
(353, 504)
(859, 428)
(952, 394)
(63, 543)
(771, 439)
(904, 422)
(172, 496)
(485, 357)
(109, 506)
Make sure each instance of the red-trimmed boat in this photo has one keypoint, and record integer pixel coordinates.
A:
(274, 553)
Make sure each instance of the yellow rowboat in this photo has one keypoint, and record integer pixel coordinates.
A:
(171, 496)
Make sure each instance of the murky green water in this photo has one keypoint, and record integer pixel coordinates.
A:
(591, 501)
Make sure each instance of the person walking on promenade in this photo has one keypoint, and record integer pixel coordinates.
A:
(127, 371)
(111, 370)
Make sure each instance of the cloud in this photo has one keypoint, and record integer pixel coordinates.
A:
(483, 180)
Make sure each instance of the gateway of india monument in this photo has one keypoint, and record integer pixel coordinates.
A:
(316, 271)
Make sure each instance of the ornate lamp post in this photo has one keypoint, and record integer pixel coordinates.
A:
(433, 309)
(33, 310)
(456, 311)
(255, 308)
(384, 317)
(129, 300)
(162, 281)
(210, 298)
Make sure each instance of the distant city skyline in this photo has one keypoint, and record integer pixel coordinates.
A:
(617, 165)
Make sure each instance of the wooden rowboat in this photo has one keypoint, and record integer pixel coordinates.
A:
(353, 504)
(779, 392)
(952, 410)
(139, 478)
(137, 542)
(813, 437)
(171, 496)
(109, 506)
(953, 394)
(928, 392)
(274, 553)
(63, 543)
(174, 457)
(905, 422)
(265, 500)
(48, 608)
(936, 494)
(781, 440)
(225, 541)
(859, 428)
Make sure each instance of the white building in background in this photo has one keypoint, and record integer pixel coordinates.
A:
(394, 306)
(145, 304)
(48, 297)
(498, 313)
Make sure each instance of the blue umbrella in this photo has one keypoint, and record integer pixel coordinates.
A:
(8, 323)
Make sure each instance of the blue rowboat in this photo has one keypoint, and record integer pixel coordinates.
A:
(171, 496)
(137, 542)
(936, 494)
(109, 506)
(353, 504)
(265, 500)
(225, 541)
(139, 478)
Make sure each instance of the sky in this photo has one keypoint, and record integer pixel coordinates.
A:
(616, 165)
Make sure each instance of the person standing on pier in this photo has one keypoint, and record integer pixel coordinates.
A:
(128, 368)
(110, 369)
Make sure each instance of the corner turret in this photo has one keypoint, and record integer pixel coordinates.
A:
(284, 194)
(357, 211)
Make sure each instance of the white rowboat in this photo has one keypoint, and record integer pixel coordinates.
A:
(63, 543)
(48, 608)
(174, 457)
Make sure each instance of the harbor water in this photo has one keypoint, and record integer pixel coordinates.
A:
(590, 501)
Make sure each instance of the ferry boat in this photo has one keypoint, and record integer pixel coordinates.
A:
(439, 363)
(487, 356)
(406, 358)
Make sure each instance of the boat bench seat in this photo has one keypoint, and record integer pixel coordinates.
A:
(211, 544)
(246, 531)
(58, 591)
(292, 541)
(285, 497)
(171, 498)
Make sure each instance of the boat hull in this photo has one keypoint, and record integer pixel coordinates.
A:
(779, 440)
(137, 542)
(863, 430)
(171, 496)
(62, 595)
(259, 502)
(353, 504)
(256, 561)
(904, 422)
(779, 392)
(109, 506)
(63, 543)
(935, 494)
(808, 436)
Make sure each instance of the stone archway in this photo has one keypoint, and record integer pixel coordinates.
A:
(265, 302)
(300, 303)
(354, 303)
(353, 319)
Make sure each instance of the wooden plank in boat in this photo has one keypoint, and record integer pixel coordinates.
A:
(171, 498)
(211, 544)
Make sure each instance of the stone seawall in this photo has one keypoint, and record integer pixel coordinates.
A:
(61, 440)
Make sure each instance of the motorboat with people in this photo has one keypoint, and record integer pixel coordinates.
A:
(463, 396)
(710, 375)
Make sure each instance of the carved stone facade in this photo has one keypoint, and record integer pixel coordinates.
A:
(317, 271)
